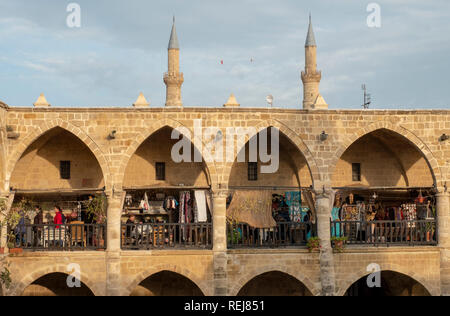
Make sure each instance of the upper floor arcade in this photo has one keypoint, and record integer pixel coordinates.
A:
(63, 156)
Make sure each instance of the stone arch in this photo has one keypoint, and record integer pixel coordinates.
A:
(396, 128)
(38, 131)
(354, 277)
(250, 275)
(293, 137)
(36, 275)
(143, 136)
(202, 284)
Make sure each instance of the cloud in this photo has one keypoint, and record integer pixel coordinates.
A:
(121, 50)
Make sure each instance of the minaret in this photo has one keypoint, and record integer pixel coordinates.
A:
(311, 76)
(174, 78)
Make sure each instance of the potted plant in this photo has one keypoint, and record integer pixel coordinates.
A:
(339, 243)
(96, 209)
(11, 219)
(5, 277)
(313, 244)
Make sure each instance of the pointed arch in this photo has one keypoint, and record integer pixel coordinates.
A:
(40, 130)
(293, 137)
(143, 136)
(57, 268)
(201, 284)
(398, 129)
(297, 274)
(407, 271)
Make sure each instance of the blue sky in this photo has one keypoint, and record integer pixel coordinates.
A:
(121, 50)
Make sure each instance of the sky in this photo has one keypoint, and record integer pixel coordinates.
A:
(120, 50)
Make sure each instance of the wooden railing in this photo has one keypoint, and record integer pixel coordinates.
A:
(284, 234)
(166, 236)
(64, 237)
(402, 233)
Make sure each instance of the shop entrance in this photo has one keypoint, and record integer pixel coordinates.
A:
(392, 284)
(167, 283)
(271, 209)
(167, 204)
(385, 193)
(57, 195)
(274, 283)
(55, 284)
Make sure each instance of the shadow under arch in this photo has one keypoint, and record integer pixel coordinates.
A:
(274, 283)
(285, 271)
(55, 284)
(142, 137)
(391, 284)
(28, 280)
(294, 170)
(48, 126)
(398, 130)
(200, 283)
(293, 138)
(167, 283)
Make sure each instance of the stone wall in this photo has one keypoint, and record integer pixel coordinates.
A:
(411, 137)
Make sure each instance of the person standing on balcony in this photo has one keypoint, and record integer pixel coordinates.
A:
(38, 221)
(58, 220)
(21, 230)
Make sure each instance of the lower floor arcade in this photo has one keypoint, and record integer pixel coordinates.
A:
(403, 272)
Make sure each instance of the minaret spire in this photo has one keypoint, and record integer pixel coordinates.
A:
(173, 42)
(173, 78)
(311, 76)
(310, 38)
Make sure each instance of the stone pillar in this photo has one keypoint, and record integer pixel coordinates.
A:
(220, 242)
(327, 274)
(114, 213)
(443, 218)
(8, 199)
(3, 228)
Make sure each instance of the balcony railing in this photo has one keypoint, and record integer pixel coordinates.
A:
(65, 237)
(166, 236)
(283, 235)
(386, 233)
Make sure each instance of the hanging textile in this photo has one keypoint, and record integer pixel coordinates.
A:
(253, 208)
(200, 200)
(294, 202)
(336, 228)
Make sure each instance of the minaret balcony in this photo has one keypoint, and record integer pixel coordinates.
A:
(174, 77)
(312, 76)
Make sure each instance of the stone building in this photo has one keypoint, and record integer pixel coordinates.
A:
(115, 150)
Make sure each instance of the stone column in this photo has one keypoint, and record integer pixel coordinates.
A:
(327, 274)
(3, 229)
(443, 218)
(8, 199)
(220, 242)
(114, 213)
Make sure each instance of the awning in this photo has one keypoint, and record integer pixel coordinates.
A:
(253, 208)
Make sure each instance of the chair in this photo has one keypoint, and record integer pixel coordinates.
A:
(77, 234)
